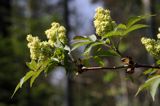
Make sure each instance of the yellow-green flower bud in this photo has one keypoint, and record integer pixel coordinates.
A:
(61, 30)
(146, 41)
(152, 46)
(56, 32)
(55, 25)
(34, 46)
(29, 38)
(103, 21)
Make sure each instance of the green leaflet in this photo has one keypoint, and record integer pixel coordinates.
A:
(135, 19)
(99, 61)
(116, 32)
(81, 41)
(85, 38)
(22, 81)
(79, 44)
(37, 73)
(34, 76)
(154, 87)
(105, 53)
(149, 71)
(32, 65)
(133, 28)
(151, 83)
(124, 31)
(121, 26)
(16, 89)
(26, 77)
(92, 37)
(80, 38)
(90, 46)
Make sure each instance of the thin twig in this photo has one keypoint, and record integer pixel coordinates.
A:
(85, 69)
(146, 66)
(100, 68)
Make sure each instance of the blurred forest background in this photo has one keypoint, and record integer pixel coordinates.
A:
(100, 88)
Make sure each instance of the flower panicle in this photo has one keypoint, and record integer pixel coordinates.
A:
(42, 50)
(103, 22)
(152, 45)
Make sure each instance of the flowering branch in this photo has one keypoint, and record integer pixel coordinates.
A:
(54, 51)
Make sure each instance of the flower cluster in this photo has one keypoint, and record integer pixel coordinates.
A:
(103, 21)
(34, 45)
(56, 32)
(152, 46)
(42, 50)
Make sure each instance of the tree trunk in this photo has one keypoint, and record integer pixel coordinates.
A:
(69, 91)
